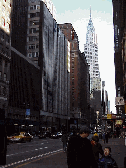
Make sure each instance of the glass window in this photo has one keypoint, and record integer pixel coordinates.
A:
(37, 54)
(37, 6)
(32, 15)
(37, 45)
(3, 22)
(5, 76)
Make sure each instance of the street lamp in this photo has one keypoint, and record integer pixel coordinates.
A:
(97, 112)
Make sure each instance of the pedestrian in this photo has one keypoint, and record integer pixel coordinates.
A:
(64, 140)
(106, 137)
(106, 161)
(96, 147)
(79, 150)
(103, 136)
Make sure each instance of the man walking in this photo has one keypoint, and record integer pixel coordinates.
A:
(79, 150)
(64, 140)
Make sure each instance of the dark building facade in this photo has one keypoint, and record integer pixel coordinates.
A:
(5, 55)
(54, 73)
(19, 12)
(24, 91)
(119, 21)
(84, 89)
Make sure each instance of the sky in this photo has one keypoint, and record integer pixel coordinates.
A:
(78, 13)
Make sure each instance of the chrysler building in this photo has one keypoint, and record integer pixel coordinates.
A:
(91, 54)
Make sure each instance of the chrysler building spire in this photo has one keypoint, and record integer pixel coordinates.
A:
(90, 12)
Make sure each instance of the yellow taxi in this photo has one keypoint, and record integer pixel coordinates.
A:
(20, 137)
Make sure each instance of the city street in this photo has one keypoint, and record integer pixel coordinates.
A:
(18, 153)
(47, 153)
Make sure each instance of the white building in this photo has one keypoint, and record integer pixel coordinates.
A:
(91, 54)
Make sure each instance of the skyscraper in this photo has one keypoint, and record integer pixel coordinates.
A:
(91, 54)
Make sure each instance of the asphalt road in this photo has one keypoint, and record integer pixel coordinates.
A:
(20, 152)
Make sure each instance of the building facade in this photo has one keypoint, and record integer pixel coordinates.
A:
(5, 54)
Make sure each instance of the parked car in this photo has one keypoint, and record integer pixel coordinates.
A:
(42, 135)
(48, 134)
(54, 135)
(59, 134)
(20, 137)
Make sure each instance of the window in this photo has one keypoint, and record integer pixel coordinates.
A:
(33, 54)
(5, 77)
(29, 54)
(0, 75)
(33, 38)
(8, 27)
(35, 22)
(37, 45)
(32, 46)
(2, 35)
(37, 54)
(32, 7)
(37, 14)
(3, 22)
(37, 6)
(32, 15)
(4, 91)
(3, 9)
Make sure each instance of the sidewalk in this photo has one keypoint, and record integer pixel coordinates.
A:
(59, 160)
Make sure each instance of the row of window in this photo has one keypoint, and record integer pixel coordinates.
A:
(7, 25)
(3, 90)
(34, 30)
(34, 7)
(33, 54)
(2, 36)
(33, 46)
(33, 38)
(31, 15)
(34, 22)
(5, 76)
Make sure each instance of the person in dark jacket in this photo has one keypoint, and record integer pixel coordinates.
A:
(79, 150)
(64, 140)
(96, 147)
(106, 161)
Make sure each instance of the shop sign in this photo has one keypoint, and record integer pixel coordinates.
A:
(119, 101)
(118, 122)
(113, 116)
(109, 116)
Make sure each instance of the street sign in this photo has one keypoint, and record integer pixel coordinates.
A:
(109, 116)
(27, 112)
(119, 101)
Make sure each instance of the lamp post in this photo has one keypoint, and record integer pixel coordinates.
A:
(97, 112)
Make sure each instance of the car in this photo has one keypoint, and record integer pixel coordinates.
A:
(42, 135)
(48, 134)
(54, 135)
(59, 134)
(20, 137)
